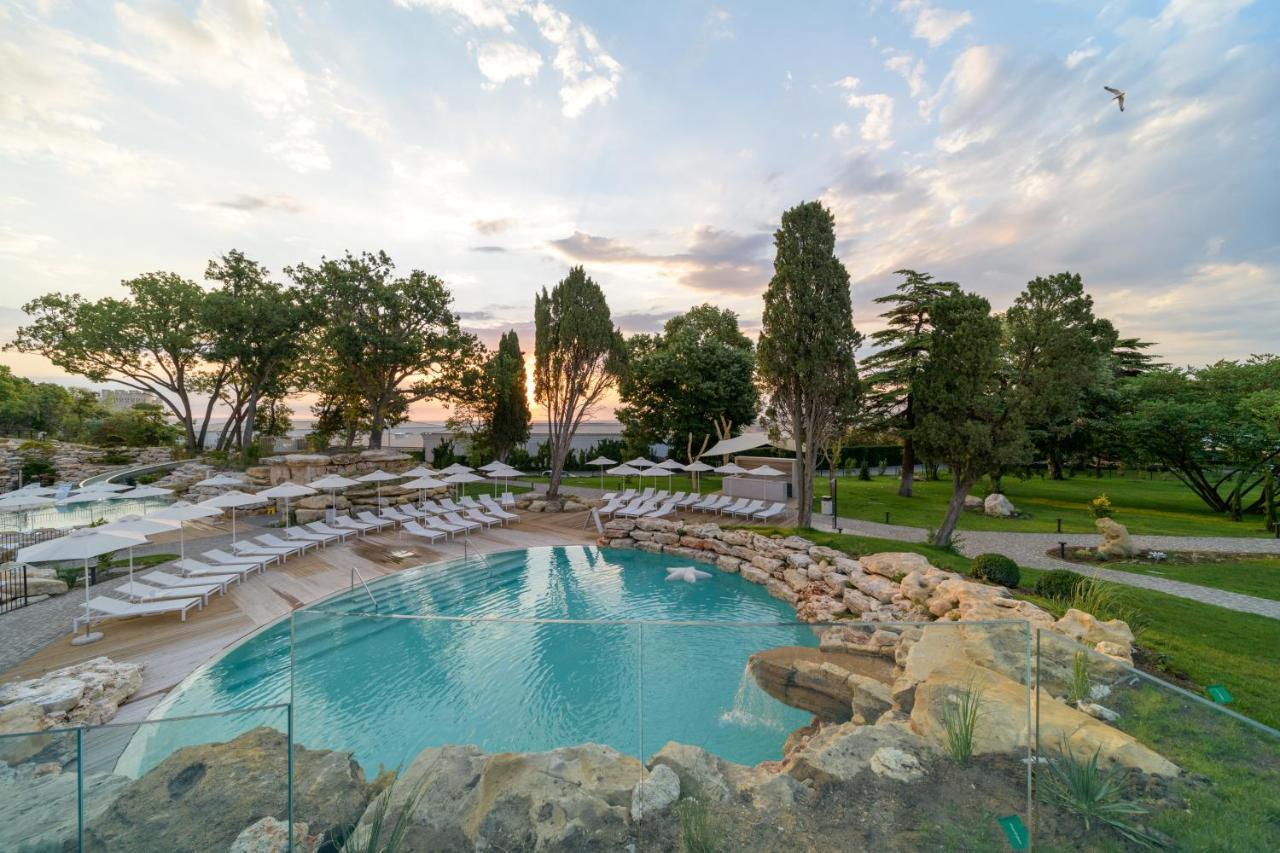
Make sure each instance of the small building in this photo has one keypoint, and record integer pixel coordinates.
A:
(123, 399)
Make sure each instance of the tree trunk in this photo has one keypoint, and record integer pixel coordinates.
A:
(559, 450)
(250, 418)
(907, 478)
(1055, 463)
(804, 489)
(955, 506)
(375, 430)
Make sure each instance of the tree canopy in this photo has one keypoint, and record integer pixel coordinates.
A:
(578, 355)
(805, 355)
(693, 381)
(493, 406)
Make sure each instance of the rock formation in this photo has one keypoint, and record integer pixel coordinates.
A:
(1116, 544)
(998, 506)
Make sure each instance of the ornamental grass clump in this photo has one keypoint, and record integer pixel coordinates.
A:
(697, 833)
(1082, 787)
(1081, 689)
(960, 714)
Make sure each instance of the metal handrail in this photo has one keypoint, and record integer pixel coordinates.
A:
(355, 573)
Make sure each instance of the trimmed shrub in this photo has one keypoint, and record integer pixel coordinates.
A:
(996, 568)
(1058, 584)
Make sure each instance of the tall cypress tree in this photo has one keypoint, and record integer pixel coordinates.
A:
(509, 419)
(805, 356)
(890, 373)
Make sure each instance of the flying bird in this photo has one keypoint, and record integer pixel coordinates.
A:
(1117, 96)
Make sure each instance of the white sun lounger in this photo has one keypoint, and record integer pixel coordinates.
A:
(346, 521)
(412, 511)
(395, 515)
(431, 522)
(770, 511)
(449, 505)
(468, 502)
(369, 518)
(498, 512)
(665, 509)
(159, 578)
(732, 506)
(477, 515)
(270, 540)
(301, 534)
(219, 557)
(432, 507)
(689, 500)
(195, 568)
(253, 549)
(465, 524)
(102, 607)
(413, 528)
(705, 503)
(321, 527)
(141, 592)
(751, 507)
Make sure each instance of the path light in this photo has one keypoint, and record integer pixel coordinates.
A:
(80, 544)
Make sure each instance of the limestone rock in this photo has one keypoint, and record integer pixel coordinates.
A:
(894, 564)
(876, 586)
(973, 503)
(272, 836)
(572, 798)
(1116, 544)
(87, 693)
(656, 793)
(895, 763)
(728, 564)
(717, 780)
(1085, 628)
(202, 797)
(839, 753)
(998, 506)
(835, 686)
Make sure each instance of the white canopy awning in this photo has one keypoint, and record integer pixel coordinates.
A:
(743, 443)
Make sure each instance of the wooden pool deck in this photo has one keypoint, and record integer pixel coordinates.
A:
(171, 649)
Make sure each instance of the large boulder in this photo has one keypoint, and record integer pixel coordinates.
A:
(836, 754)
(835, 686)
(998, 506)
(270, 835)
(894, 565)
(203, 797)
(655, 794)
(572, 798)
(1116, 544)
(709, 777)
(87, 693)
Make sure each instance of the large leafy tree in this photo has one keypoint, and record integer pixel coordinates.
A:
(806, 351)
(1217, 428)
(258, 327)
(493, 408)
(891, 371)
(43, 407)
(155, 340)
(578, 355)
(693, 381)
(967, 415)
(393, 338)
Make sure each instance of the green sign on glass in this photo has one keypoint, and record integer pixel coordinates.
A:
(1016, 831)
(1219, 694)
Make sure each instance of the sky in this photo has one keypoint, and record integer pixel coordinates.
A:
(495, 143)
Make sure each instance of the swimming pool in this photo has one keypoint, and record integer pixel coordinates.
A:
(516, 651)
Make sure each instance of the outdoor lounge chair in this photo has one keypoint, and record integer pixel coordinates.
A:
(431, 522)
(647, 493)
(253, 549)
(139, 591)
(468, 502)
(396, 515)
(413, 528)
(733, 506)
(746, 511)
(706, 502)
(498, 512)
(351, 524)
(477, 515)
(665, 509)
(321, 527)
(677, 497)
(196, 568)
(412, 511)
(432, 507)
(612, 507)
(219, 557)
(301, 534)
(454, 518)
(270, 540)
(769, 512)
(637, 508)
(689, 500)
(369, 518)
(159, 578)
(449, 506)
(508, 499)
(101, 607)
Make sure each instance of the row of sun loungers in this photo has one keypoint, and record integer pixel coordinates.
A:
(658, 504)
(189, 583)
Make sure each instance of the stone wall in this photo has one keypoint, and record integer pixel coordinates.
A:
(73, 462)
(305, 467)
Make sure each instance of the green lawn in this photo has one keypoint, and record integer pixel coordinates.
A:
(1158, 507)
(1191, 641)
(1256, 576)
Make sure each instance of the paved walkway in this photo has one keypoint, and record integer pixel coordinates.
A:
(1031, 549)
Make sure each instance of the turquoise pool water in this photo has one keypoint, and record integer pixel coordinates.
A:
(595, 646)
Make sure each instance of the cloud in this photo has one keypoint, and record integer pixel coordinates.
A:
(493, 226)
(588, 74)
(877, 125)
(250, 203)
(493, 250)
(501, 61)
(931, 23)
(714, 260)
(911, 69)
(718, 25)
(13, 242)
(1082, 54)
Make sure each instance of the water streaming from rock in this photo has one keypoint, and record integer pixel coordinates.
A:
(752, 707)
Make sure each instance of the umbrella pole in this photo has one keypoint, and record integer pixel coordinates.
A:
(233, 525)
(88, 636)
(182, 540)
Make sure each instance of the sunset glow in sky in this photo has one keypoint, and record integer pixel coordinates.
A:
(497, 142)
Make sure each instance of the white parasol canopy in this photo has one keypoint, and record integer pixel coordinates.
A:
(456, 468)
(222, 480)
(286, 490)
(698, 467)
(332, 483)
(378, 477)
(420, 471)
(730, 468)
(79, 544)
(182, 512)
(233, 501)
(136, 524)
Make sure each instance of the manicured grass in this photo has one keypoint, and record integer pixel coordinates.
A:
(1260, 576)
(1155, 507)
(1192, 642)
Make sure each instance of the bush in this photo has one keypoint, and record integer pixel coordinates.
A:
(996, 568)
(38, 470)
(1058, 584)
(1100, 507)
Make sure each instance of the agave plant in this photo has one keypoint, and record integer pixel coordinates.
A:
(1083, 787)
(379, 836)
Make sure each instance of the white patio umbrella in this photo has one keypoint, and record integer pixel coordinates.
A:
(420, 471)
(601, 462)
(104, 487)
(79, 544)
(624, 471)
(731, 469)
(233, 501)
(378, 477)
(287, 490)
(182, 512)
(696, 468)
(456, 468)
(765, 471)
(140, 492)
(137, 525)
(640, 462)
(462, 477)
(671, 466)
(492, 466)
(23, 502)
(506, 472)
(222, 480)
(332, 483)
(423, 483)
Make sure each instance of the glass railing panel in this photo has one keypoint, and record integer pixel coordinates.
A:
(39, 792)
(195, 783)
(1128, 760)
(842, 736)
(500, 734)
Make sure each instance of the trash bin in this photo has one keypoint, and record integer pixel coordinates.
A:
(826, 506)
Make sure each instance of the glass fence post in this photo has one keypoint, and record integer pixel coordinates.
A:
(289, 736)
(80, 789)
